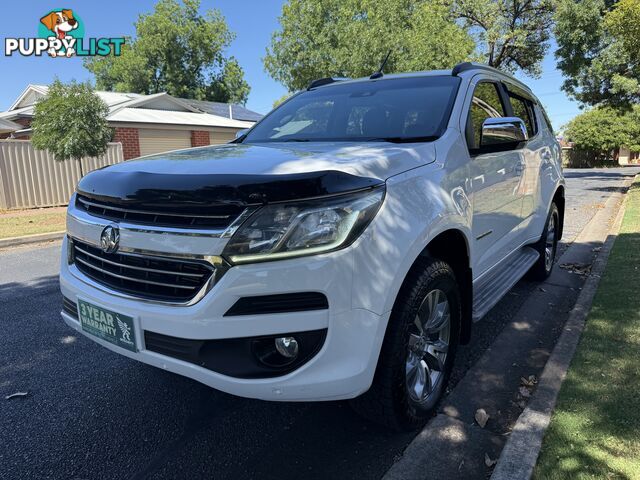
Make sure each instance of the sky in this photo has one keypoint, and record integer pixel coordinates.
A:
(253, 22)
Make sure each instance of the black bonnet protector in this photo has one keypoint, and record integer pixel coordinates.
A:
(180, 192)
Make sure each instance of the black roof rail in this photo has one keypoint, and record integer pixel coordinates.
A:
(324, 81)
(465, 66)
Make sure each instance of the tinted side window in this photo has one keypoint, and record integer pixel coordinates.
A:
(485, 104)
(524, 109)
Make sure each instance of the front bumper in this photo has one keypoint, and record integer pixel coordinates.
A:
(343, 368)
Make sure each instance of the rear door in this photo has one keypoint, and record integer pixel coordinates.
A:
(536, 153)
(495, 177)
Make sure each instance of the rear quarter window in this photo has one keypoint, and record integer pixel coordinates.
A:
(546, 119)
(523, 109)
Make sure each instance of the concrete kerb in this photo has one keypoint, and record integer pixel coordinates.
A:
(27, 239)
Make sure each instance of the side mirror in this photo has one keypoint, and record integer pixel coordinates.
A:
(503, 131)
(241, 133)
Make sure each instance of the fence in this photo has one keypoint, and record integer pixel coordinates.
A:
(33, 178)
(575, 158)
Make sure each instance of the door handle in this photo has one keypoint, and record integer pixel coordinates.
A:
(520, 167)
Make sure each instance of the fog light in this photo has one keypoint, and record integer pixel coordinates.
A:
(287, 347)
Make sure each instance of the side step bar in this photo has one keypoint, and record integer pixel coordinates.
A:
(490, 288)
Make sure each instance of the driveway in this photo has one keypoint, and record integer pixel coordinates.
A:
(91, 413)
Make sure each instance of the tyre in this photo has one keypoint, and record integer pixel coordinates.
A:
(418, 350)
(547, 246)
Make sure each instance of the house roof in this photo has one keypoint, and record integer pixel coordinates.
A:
(19, 112)
(147, 115)
(238, 112)
(110, 98)
(29, 95)
(7, 126)
(159, 108)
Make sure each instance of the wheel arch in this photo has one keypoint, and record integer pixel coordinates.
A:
(452, 246)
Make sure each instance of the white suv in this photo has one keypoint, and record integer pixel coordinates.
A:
(340, 249)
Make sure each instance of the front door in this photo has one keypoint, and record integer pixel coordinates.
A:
(496, 177)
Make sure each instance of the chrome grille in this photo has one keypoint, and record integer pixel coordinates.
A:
(145, 276)
(215, 217)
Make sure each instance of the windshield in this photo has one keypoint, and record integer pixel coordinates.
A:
(396, 110)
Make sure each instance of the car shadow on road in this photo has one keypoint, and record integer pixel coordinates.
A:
(12, 290)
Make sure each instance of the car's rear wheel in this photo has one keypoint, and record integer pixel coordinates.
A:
(418, 350)
(547, 246)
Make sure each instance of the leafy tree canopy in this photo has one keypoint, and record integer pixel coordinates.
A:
(176, 50)
(510, 34)
(604, 129)
(599, 50)
(350, 38)
(278, 101)
(71, 122)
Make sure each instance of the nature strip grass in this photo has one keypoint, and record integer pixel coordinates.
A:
(595, 428)
(13, 225)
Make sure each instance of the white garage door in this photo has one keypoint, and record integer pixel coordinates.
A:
(158, 141)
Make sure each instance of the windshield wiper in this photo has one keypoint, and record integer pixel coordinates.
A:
(402, 139)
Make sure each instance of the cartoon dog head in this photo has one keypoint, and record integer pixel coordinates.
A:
(60, 22)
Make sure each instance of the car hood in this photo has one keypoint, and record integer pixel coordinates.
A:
(254, 173)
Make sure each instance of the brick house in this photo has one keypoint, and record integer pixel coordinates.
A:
(146, 124)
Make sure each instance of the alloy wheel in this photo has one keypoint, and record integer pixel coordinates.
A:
(428, 347)
(550, 243)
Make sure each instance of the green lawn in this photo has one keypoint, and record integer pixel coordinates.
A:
(595, 429)
(29, 222)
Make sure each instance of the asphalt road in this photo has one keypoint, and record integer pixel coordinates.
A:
(91, 413)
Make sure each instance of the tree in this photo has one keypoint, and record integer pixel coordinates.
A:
(510, 34)
(176, 50)
(229, 86)
(350, 38)
(71, 122)
(605, 129)
(598, 50)
(278, 101)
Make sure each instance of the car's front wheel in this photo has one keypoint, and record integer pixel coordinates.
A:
(418, 350)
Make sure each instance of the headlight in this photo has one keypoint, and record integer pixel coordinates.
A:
(303, 228)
